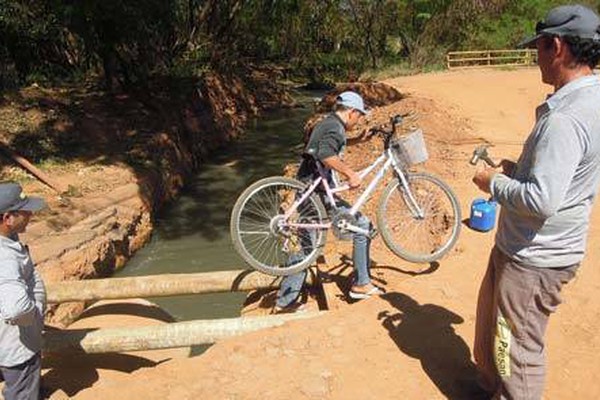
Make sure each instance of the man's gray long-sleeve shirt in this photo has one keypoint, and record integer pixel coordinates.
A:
(546, 204)
(22, 303)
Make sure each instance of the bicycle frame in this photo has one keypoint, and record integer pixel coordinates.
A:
(388, 160)
(279, 225)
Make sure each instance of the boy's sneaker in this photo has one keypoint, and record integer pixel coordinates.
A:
(292, 308)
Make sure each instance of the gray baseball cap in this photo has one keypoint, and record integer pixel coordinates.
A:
(12, 198)
(572, 20)
(352, 100)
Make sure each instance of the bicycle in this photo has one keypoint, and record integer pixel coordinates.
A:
(278, 224)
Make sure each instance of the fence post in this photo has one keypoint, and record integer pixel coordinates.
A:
(530, 57)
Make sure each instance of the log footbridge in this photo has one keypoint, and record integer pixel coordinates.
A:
(171, 335)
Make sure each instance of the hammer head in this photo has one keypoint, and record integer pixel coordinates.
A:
(479, 153)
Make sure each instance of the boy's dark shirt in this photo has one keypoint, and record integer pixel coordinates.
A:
(327, 139)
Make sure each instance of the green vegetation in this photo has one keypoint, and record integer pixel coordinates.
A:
(127, 41)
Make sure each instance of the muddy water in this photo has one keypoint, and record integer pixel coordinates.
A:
(192, 235)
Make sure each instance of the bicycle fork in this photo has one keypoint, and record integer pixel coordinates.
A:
(411, 202)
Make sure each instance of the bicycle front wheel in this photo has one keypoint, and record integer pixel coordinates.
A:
(266, 238)
(425, 229)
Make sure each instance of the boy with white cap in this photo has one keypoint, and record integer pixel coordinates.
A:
(326, 143)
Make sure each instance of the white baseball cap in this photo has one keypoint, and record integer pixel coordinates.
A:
(352, 100)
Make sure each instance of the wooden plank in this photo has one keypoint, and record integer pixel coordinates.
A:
(498, 57)
(490, 66)
(516, 51)
(488, 58)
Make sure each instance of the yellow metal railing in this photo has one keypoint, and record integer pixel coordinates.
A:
(491, 58)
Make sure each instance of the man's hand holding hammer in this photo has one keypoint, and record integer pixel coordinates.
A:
(483, 178)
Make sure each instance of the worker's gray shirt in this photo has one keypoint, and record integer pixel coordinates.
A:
(22, 304)
(546, 205)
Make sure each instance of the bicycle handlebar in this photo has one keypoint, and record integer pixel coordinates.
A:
(396, 120)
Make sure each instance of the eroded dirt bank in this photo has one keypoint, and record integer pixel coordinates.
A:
(118, 158)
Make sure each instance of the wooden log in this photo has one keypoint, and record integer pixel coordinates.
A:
(173, 335)
(35, 171)
(161, 285)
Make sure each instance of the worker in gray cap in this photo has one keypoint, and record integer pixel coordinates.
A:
(22, 298)
(546, 199)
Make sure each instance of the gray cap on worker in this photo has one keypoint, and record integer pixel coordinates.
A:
(12, 198)
(570, 20)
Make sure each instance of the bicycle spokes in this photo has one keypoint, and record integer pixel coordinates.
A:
(272, 231)
(420, 221)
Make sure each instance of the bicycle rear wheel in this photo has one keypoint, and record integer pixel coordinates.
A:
(268, 241)
(415, 238)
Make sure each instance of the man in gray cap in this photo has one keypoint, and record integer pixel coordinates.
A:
(546, 199)
(22, 298)
(325, 144)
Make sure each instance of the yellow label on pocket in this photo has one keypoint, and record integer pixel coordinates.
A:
(502, 347)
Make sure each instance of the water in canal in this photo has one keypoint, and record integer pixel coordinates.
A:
(192, 234)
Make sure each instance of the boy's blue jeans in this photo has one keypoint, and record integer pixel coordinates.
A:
(291, 285)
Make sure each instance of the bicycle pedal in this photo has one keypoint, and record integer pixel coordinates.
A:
(373, 234)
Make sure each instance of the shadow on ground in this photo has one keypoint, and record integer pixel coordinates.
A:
(425, 332)
(342, 273)
(81, 372)
(72, 370)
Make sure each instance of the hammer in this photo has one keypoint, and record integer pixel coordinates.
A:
(481, 153)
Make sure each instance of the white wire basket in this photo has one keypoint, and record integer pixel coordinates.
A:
(410, 149)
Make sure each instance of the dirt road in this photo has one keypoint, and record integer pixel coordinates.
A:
(414, 342)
